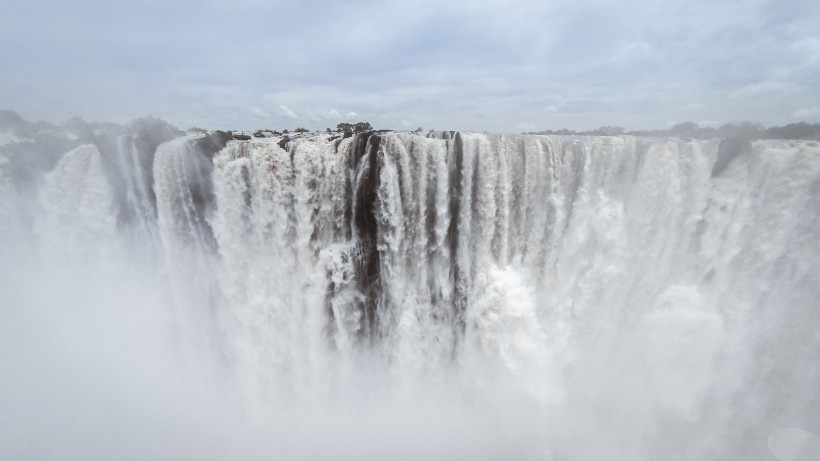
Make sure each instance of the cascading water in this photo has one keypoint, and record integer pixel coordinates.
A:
(394, 295)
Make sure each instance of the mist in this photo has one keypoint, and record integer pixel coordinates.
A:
(403, 295)
(636, 277)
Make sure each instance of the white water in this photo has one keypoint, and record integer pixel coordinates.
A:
(486, 297)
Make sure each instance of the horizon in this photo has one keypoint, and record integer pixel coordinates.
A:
(694, 129)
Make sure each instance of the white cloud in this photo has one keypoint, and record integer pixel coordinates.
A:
(764, 89)
(807, 112)
(285, 111)
(350, 115)
(260, 113)
(551, 108)
(406, 123)
(321, 115)
(807, 48)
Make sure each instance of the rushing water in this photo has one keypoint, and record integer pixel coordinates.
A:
(400, 296)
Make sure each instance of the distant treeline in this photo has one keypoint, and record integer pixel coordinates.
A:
(747, 130)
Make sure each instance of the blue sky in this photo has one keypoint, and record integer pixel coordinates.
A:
(478, 65)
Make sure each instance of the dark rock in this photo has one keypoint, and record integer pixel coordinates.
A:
(728, 150)
(367, 168)
(456, 169)
(211, 144)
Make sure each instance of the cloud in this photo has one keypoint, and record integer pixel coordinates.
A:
(287, 113)
(458, 65)
(763, 89)
(807, 48)
(807, 113)
(321, 115)
(260, 113)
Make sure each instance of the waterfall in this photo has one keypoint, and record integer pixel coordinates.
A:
(77, 222)
(446, 295)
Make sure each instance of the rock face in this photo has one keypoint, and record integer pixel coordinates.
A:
(728, 150)
(366, 162)
(213, 143)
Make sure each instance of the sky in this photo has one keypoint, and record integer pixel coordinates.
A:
(464, 65)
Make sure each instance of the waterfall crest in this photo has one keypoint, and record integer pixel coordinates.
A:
(558, 286)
